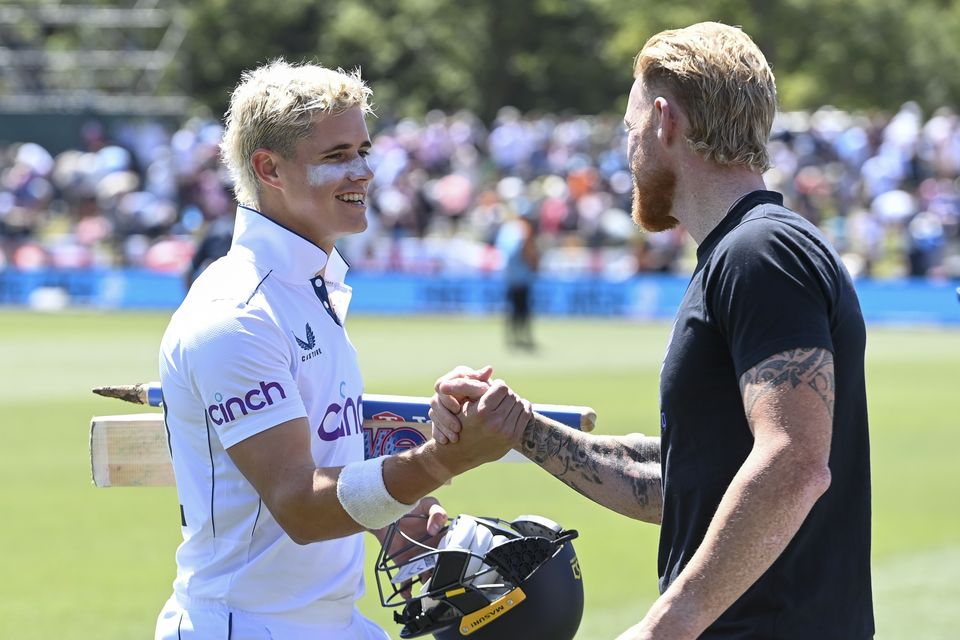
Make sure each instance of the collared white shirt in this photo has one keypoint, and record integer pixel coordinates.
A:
(254, 345)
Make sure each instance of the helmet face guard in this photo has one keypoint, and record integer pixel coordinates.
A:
(487, 579)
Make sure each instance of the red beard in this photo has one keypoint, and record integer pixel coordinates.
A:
(653, 192)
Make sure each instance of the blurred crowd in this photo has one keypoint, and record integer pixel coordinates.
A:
(886, 190)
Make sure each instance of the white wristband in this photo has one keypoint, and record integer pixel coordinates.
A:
(364, 496)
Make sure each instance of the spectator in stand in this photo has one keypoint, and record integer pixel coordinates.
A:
(140, 196)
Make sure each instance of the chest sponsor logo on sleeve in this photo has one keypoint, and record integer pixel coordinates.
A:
(309, 345)
(227, 410)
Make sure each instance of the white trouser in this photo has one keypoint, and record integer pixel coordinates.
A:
(177, 622)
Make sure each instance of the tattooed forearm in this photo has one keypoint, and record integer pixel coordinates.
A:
(812, 368)
(619, 472)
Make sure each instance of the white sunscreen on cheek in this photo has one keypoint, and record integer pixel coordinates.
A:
(319, 174)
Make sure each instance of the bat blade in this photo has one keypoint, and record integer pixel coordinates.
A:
(130, 451)
(133, 450)
(376, 406)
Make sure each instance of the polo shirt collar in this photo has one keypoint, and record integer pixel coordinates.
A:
(290, 256)
(744, 205)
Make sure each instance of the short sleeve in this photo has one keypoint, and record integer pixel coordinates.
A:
(239, 365)
(769, 290)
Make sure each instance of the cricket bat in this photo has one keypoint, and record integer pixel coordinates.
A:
(133, 451)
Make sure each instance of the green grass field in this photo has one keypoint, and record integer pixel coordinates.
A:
(81, 562)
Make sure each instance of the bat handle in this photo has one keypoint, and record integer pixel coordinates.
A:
(154, 394)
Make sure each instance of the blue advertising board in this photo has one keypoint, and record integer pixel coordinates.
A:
(641, 297)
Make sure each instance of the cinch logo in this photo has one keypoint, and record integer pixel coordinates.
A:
(386, 441)
(253, 400)
(340, 421)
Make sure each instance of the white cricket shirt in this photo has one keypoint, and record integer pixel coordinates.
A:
(255, 344)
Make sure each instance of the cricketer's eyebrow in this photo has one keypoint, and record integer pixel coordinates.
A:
(346, 146)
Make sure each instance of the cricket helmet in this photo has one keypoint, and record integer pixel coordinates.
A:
(487, 579)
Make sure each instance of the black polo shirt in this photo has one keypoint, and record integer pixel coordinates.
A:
(767, 281)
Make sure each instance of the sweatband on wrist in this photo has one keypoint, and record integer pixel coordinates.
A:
(364, 496)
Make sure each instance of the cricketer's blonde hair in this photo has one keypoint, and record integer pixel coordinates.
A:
(722, 83)
(274, 106)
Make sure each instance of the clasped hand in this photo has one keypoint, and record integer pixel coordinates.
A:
(480, 414)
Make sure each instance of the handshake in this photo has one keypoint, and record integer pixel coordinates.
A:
(478, 418)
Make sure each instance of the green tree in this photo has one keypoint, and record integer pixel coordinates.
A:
(417, 54)
(476, 54)
(225, 38)
(574, 55)
(854, 54)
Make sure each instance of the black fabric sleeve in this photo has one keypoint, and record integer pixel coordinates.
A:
(769, 289)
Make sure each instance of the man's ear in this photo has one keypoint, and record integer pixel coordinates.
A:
(264, 164)
(668, 124)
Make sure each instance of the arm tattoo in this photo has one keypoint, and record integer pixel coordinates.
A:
(591, 464)
(810, 367)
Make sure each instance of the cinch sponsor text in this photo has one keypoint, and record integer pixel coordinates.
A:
(252, 400)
